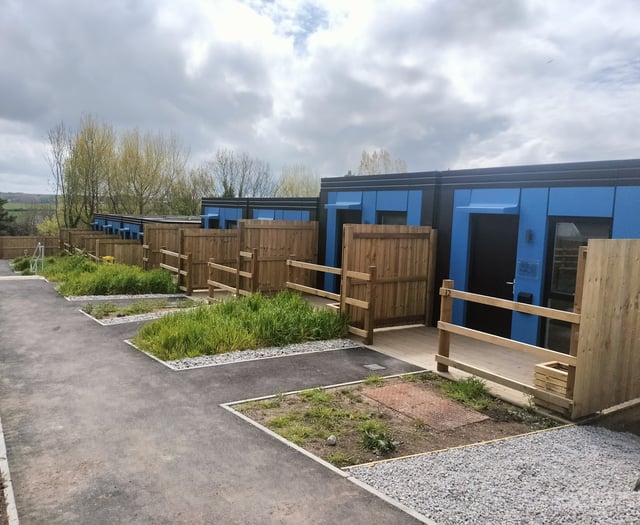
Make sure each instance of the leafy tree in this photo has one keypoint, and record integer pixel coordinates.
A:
(7, 222)
(298, 180)
(380, 161)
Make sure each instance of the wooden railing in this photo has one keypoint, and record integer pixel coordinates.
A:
(252, 275)
(446, 328)
(368, 304)
(146, 249)
(182, 270)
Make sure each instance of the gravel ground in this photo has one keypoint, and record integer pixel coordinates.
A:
(260, 353)
(582, 475)
(123, 297)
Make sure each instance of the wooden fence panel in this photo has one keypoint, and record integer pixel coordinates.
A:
(205, 244)
(19, 246)
(157, 236)
(404, 257)
(608, 354)
(123, 251)
(277, 241)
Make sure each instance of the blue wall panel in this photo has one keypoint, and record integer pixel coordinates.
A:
(458, 269)
(581, 202)
(391, 201)
(626, 214)
(414, 208)
(529, 271)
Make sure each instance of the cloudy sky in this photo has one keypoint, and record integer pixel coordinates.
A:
(440, 84)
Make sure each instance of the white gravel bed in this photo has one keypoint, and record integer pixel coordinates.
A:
(137, 317)
(120, 297)
(260, 353)
(572, 475)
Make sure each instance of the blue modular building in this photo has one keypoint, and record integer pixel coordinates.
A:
(132, 226)
(509, 232)
(224, 214)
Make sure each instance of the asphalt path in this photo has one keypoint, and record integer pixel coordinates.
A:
(97, 432)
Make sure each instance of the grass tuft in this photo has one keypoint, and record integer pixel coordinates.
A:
(471, 392)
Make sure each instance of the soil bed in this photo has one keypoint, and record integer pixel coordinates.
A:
(348, 412)
(111, 310)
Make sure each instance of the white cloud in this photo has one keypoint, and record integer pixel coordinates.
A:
(439, 84)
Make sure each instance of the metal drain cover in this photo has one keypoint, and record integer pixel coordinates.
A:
(374, 366)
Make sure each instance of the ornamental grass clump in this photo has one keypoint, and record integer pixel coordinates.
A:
(89, 278)
(239, 324)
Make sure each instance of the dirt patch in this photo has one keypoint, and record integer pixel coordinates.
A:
(393, 418)
(107, 311)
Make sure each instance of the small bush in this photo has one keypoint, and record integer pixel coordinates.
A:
(471, 392)
(20, 264)
(377, 438)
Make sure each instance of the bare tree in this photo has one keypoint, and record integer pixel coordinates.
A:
(58, 154)
(240, 175)
(380, 162)
(297, 180)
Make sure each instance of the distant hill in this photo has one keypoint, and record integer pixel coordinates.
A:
(28, 198)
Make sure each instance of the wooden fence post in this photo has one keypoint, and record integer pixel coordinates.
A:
(369, 315)
(255, 271)
(209, 285)
(446, 315)
(238, 273)
(577, 308)
(188, 279)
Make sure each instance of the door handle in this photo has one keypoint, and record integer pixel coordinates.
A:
(510, 283)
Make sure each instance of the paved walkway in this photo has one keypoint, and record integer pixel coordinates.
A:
(99, 433)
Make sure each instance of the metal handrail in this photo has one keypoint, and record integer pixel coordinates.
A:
(37, 259)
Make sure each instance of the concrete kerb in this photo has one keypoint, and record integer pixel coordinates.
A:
(5, 481)
(347, 475)
(175, 369)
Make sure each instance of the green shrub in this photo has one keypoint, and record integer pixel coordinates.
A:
(239, 324)
(376, 437)
(20, 264)
(471, 392)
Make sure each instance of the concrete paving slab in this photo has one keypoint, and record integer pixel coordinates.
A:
(96, 432)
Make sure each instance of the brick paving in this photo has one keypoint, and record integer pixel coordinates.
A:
(433, 409)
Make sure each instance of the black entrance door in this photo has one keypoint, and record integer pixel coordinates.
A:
(345, 217)
(492, 266)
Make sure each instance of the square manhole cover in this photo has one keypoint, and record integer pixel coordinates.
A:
(374, 367)
(435, 410)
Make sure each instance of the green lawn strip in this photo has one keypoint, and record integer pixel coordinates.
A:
(239, 324)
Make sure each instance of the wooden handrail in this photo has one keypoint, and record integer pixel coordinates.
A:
(549, 313)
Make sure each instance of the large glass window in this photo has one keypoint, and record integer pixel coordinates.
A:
(397, 218)
(566, 237)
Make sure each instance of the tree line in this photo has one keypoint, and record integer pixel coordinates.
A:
(100, 169)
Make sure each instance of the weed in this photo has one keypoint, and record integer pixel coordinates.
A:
(316, 396)
(282, 421)
(373, 379)
(299, 434)
(352, 395)
(471, 392)
(340, 459)
(531, 418)
(377, 438)
(419, 424)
